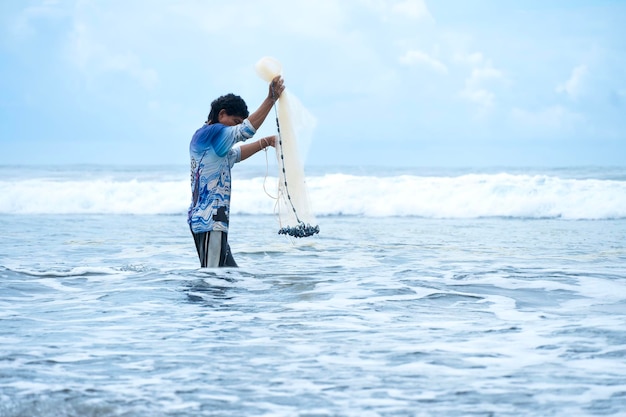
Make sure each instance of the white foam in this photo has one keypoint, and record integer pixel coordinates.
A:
(465, 196)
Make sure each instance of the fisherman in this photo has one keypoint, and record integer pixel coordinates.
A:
(212, 157)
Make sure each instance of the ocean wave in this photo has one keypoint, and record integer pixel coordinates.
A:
(70, 272)
(463, 196)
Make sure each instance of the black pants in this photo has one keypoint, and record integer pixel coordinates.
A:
(202, 246)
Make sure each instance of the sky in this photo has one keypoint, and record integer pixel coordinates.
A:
(446, 83)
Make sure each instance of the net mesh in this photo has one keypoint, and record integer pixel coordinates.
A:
(295, 125)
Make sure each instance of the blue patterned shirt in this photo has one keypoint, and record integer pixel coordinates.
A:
(212, 157)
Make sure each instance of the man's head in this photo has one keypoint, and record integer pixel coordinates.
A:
(231, 109)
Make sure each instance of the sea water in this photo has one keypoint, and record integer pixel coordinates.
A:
(428, 292)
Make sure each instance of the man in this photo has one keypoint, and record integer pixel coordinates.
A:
(212, 157)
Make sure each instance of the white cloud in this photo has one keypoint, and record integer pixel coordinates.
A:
(122, 37)
(319, 19)
(413, 9)
(480, 96)
(395, 10)
(482, 73)
(94, 55)
(25, 23)
(475, 58)
(129, 63)
(414, 57)
(573, 86)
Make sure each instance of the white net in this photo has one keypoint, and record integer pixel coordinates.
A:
(295, 128)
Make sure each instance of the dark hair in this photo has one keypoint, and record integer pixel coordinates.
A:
(234, 106)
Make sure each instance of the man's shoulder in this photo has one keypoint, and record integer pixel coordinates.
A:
(207, 129)
(207, 132)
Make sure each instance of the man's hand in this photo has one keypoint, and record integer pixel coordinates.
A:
(276, 88)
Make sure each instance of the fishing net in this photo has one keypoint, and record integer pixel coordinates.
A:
(295, 127)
